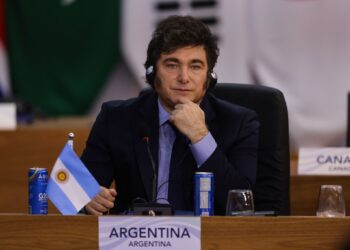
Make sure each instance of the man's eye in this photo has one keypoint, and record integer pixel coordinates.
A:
(171, 66)
(196, 67)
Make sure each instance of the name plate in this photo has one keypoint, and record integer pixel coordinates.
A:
(120, 232)
(8, 116)
(324, 161)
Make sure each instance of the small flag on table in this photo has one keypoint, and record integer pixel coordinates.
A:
(71, 186)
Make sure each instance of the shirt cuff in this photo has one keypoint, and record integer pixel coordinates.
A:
(203, 149)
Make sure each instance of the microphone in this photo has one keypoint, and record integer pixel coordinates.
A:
(145, 135)
(151, 208)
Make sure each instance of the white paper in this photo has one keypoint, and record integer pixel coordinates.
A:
(8, 116)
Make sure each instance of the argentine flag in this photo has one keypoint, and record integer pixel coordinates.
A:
(71, 186)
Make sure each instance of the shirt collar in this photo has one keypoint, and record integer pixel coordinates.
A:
(163, 114)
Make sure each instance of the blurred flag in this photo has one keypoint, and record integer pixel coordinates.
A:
(71, 186)
(61, 52)
(4, 78)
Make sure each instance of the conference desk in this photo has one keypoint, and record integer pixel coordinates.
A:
(304, 191)
(217, 233)
(41, 143)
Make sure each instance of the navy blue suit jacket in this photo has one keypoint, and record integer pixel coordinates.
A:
(115, 151)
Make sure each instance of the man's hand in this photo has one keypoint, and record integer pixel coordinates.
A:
(189, 118)
(102, 202)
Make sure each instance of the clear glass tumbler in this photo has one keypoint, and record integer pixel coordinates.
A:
(331, 201)
(240, 203)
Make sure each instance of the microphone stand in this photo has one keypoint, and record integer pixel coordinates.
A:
(152, 208)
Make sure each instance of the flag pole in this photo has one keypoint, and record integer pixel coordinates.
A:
(70, 140)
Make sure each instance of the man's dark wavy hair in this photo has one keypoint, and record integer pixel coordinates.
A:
(177, 32)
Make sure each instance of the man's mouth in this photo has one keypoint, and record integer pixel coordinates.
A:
(182, 90)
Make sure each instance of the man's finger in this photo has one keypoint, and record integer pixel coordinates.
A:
(184, 100)
(178, 106)
(108, 193)
(107, 196)
(113, 192)
(104, 202)
(94, 208)
(92, 211)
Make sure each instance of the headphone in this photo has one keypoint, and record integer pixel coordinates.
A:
(150, 75)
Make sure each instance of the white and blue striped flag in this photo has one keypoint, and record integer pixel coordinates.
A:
(71, 186)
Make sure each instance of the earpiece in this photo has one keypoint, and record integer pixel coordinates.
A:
(150, 73)
(213, 79)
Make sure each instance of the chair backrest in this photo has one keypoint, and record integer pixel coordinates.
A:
(348, 129)
(271, 192)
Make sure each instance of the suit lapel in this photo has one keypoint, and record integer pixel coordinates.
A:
(148, 111)
(210, 115)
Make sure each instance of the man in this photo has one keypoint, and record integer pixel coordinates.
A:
(189, 130)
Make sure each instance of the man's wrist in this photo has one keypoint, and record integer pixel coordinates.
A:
(203, 149)
(199, 135)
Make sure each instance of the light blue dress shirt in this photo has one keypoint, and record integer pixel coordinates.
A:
(201, 151)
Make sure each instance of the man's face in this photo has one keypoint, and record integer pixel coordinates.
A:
(182, 73)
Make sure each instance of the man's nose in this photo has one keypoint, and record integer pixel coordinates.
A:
(184, 75)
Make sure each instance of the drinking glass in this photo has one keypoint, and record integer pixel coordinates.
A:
(331, 201)
(240, 202)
